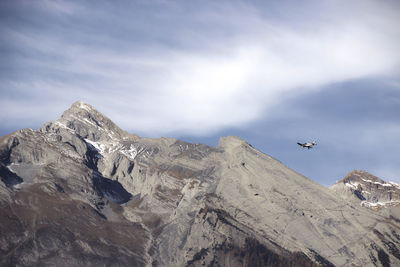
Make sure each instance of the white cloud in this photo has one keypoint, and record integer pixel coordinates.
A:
(160, 90)
(59, 6)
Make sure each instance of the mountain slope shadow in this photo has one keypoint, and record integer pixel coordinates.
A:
(9, 178)
(110, 189)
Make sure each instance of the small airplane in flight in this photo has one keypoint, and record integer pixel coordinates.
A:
(307, 145)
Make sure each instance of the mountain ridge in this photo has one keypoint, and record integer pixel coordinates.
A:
(165, 202)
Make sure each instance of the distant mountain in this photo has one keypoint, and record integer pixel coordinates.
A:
(369, 190)
(82, 192)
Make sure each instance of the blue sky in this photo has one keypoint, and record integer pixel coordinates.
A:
(271, 72)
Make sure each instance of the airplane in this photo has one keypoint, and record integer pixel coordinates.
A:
(307, 145)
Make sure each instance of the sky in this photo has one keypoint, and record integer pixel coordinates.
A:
(271, 72)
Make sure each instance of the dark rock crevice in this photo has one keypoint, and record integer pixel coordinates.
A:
(6, 149)
(92, 157)
(110, 189)
(8, 177)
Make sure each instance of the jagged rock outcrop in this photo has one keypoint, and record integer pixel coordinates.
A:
(372, 192)
(81, 191)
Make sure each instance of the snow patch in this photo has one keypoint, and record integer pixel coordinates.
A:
(62, 125)
(91, 123)
(9, 167)
(379, 204)
(98, 146)
(107, 148)
(114, 147)
(395, 184)
(86, 121)
(131, 153)
(353, 186)
(382, 184)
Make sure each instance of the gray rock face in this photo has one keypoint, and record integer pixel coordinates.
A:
(367, 189)
(81, 191)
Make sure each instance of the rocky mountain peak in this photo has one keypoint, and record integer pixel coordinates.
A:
(82, 110)
(81, 105)
(361, 176)
(370, 190)
(87, 122)
(230, 142)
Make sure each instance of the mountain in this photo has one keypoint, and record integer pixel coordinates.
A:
(371, 191)
(82, 192)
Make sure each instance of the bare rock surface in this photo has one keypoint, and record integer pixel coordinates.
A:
(83, 192)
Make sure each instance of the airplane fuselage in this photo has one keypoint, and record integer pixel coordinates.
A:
(307, 145)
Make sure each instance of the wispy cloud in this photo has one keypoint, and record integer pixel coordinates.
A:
(192, 69)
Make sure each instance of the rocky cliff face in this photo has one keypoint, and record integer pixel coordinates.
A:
(368, 190)
(81, 191)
